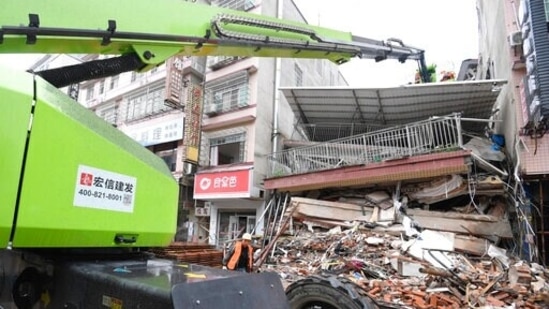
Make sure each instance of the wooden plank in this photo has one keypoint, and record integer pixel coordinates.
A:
(462, 243)
(471, 245)
(330, 213)
(462, 190)
(323, 223)
(483, 228)
(320, 203)
(450, 215)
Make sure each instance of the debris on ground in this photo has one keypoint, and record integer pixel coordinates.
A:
(432, 244)
(422, 272)
(193, 253)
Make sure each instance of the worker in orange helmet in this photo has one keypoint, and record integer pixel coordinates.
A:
(240, 258)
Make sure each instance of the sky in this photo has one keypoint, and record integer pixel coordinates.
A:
(445, 29)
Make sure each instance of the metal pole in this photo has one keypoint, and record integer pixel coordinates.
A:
(279, 230)
(275, 218)
(262, 215)
(265, 234)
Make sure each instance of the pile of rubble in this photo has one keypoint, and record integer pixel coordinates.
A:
(430, 244)
(421, 272)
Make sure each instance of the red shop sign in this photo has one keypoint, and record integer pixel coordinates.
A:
(228, 184)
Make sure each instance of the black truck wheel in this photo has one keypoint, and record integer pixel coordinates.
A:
(326, 292)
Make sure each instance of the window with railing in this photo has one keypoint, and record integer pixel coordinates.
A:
(227, 94)
(218, 62)
(298, 76)
(227, 149)
(146, 103)
(241, 5)
(109, 114)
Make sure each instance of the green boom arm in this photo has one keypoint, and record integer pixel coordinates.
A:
(148, 33)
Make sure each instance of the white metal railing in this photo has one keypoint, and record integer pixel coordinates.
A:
(218, 62)
(241, 5)
(424, 137)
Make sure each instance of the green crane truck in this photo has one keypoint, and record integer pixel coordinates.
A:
(79, 200)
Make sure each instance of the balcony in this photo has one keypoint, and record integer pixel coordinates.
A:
(194, 65)
(219, 62)
(434, 135)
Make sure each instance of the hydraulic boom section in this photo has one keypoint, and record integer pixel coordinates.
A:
(150, 34)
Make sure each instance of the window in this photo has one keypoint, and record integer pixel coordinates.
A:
(230, 98)
(114, 82)
(146, 103)
(168, 153)
(546, 2)
(102, 87)
(228, 149)
(227, 94)
(298, 76)
(242, 5)
(169, 157)
(137, 76)
(319, 66)
(232, 225)
(73, 91)
(109, 114)
(89, 93)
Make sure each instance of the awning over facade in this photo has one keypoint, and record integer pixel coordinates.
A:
(388, 107)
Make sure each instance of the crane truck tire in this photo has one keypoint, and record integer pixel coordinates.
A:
(327, 292)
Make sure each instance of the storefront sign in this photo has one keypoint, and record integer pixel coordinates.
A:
(165, 131)
(227, 184)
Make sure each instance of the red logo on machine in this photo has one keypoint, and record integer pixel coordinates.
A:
(86, 179)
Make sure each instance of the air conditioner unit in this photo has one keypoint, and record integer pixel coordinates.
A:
(210, 110)
(515, 38)
(189, 168)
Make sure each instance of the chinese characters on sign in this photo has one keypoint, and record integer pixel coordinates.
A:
(96, 188)
(223, 184)
(167, 131)
(174, 80)
(193, 110)
(190, 102)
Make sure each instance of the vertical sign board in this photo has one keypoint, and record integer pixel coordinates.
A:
(193, 116)
(227, 184)
(174, 80)
(191, 103)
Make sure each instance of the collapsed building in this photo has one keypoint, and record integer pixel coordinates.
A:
(405, 182)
